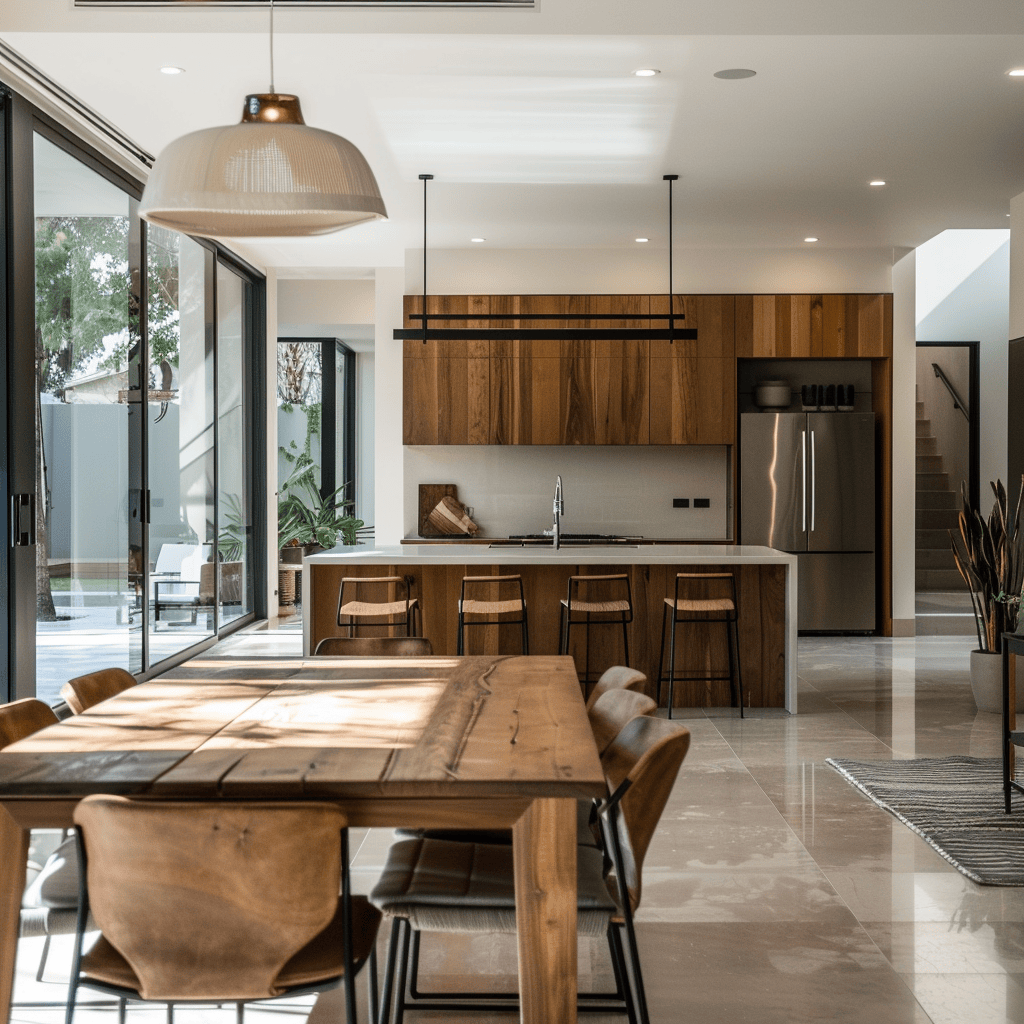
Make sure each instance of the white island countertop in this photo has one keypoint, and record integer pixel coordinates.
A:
(508, 553)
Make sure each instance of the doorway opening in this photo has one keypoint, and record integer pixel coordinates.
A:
(948, 446)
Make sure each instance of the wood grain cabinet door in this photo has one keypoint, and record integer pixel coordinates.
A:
(693, 382)
(832, 326)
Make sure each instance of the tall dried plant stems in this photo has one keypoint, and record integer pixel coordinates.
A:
(989, 556)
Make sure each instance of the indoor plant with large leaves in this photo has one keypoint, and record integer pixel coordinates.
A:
(307, 518)
(989, 556)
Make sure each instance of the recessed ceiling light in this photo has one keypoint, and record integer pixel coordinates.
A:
(478, 239)
(170, 69)
(646, 72)
(641, 239)
(735, 73)
(810, 239)
(877, 183)
(1016, 72)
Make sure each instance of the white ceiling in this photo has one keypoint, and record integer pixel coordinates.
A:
(540, 137)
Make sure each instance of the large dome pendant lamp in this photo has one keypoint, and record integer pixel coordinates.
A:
(269, 176)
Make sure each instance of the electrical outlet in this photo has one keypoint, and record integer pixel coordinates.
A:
(680, 502)
(702, 503)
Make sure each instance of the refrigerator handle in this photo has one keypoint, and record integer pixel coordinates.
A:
(803, 477)
(813, 482)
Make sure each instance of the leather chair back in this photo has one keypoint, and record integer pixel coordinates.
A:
(618, 677)
(210, 900)
(613, 711)
(84, 692)
(649, 752)
(21, 718)
(374, 646)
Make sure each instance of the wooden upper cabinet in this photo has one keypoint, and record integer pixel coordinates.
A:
(713, 316)
(813, 326)
(693, 400)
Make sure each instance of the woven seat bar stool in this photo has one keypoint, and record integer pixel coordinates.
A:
(595, 601)
(492, 609)
(397, 613)
(723, 609)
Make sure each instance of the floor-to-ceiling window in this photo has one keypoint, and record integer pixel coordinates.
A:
(132, 362)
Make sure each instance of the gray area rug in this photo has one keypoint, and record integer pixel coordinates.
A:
(956, 805)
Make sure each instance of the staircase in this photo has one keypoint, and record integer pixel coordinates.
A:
(937, 509)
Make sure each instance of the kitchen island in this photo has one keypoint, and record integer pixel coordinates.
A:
(765, 579)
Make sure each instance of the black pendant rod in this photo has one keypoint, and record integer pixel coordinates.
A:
(425, 178)
(671, 294)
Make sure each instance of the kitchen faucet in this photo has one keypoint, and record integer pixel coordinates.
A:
(558, 507)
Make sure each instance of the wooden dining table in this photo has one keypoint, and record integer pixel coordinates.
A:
(489, 742)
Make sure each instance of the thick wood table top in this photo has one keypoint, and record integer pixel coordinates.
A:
(324, 728)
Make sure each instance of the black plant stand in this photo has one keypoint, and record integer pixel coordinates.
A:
(1012, 736)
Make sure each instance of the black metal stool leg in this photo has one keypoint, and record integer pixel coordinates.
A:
(625, 640)
(733, 695)
(735, 631)
(526, 632)
(661, 650)
(672, 664)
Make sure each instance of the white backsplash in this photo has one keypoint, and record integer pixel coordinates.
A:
(614, 490)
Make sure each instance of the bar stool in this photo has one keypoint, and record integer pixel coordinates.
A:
(610, 597)
(355, 610)
(476, 606)
(704, 609)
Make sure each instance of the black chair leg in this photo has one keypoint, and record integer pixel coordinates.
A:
(661, 652)
(734, 632)
(122, 1010)
(389, 971)
(239, 1013)
(638, 978)
(672, 664)
(403, 973)
(371, 983)
(460, 643)
(622, 986)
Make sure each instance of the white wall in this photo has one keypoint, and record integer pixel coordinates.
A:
(904, 447)
(325, 302)
(645, 271)
(387, 412)
(973, 270)
(619, 490)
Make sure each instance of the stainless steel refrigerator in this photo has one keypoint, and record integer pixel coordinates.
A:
(807, 485)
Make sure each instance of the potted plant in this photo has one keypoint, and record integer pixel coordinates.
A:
(308, 520)
(990, 558)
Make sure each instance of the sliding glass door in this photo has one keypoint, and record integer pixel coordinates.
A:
(131, 361)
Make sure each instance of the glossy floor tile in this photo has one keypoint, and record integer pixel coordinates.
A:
(774, 892)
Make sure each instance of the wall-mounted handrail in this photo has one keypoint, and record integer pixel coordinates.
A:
(958, 402)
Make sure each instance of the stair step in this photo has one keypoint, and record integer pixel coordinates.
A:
(920, 410)
(935, 558)
(936, 518)
(933, 538)
(929, 463)
(927, 446)
(936, 499)
(937, 579)
(924, 428)
(933, 482)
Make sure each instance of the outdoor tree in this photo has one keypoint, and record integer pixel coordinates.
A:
(83, 308)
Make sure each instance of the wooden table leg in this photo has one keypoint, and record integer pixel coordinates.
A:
(13, 856)
(544, 841)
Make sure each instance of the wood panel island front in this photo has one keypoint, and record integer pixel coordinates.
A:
(765, 581)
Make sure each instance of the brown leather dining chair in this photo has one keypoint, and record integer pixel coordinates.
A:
(618, 677)
(212, 902)
(374, 647)
(84, 692)
(444, 886)
(49, 905)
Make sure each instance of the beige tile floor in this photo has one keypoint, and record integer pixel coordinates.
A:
(773, 892)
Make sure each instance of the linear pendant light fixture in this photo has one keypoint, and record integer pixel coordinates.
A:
(427, 333)
(269, 176)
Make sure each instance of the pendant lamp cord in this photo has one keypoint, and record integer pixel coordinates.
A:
(671, 293)
(425, 178)
(272, 46)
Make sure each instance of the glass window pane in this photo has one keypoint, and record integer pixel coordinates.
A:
(85, 601)
(234, 542)
(181, 449)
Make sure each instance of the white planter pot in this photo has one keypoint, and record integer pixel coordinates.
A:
(987, 682)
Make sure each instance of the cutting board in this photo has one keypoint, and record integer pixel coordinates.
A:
(430, 495)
